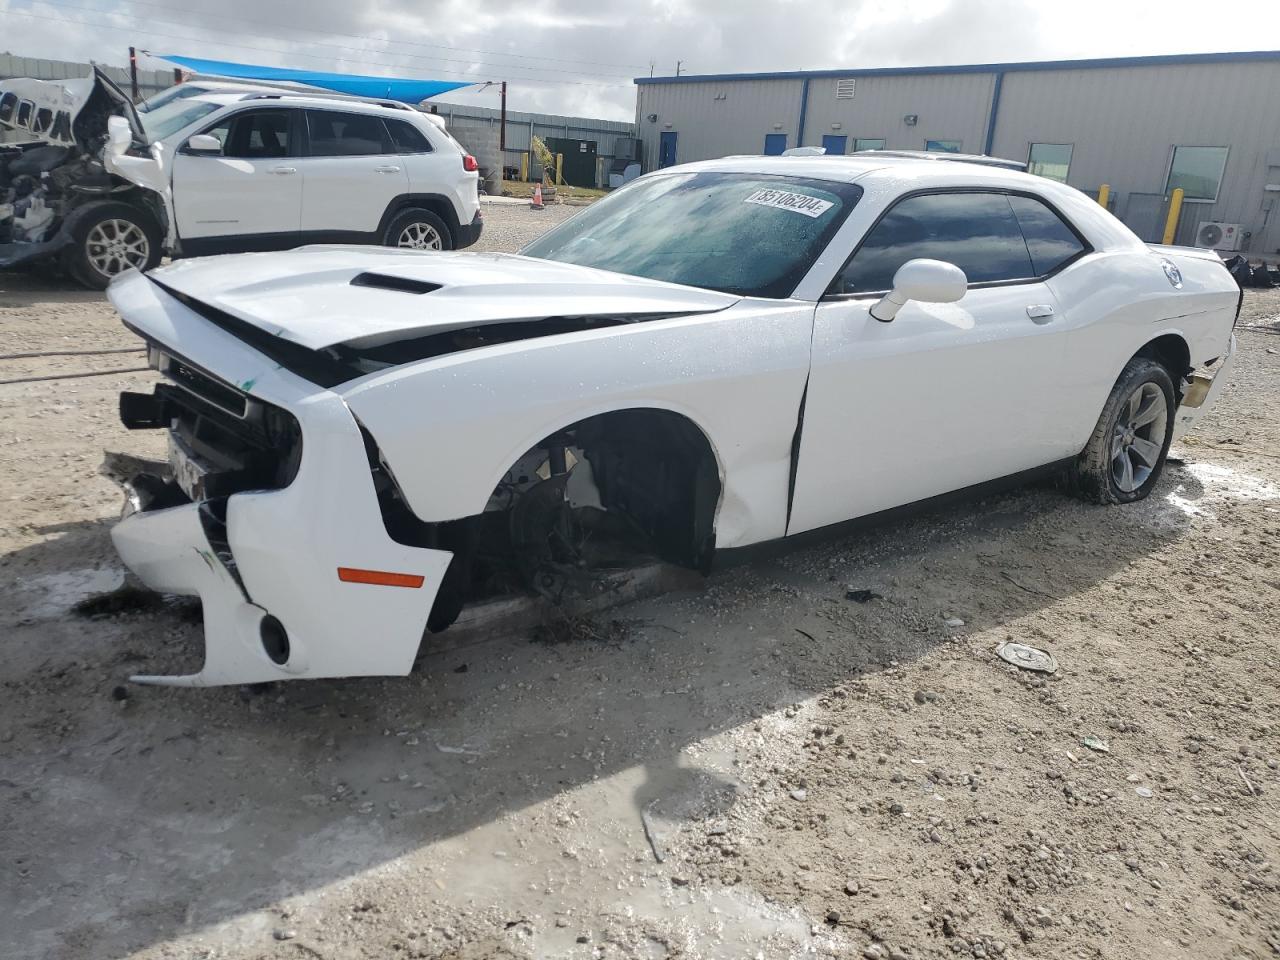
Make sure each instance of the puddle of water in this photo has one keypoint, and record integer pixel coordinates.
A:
(53, 594)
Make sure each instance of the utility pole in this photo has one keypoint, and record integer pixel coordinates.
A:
(133, 73)
(502, 125)
(679, 63)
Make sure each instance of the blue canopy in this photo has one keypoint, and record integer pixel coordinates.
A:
(388, 88)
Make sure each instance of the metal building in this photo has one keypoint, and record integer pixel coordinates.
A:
(1209, 123)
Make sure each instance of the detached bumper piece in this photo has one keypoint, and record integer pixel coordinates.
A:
(1201, 390)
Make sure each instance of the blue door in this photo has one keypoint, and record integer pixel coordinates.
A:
(835, 146)
(774, 144)
(667, 149)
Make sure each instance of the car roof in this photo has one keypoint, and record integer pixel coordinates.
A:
(234, 92)
(914, 170)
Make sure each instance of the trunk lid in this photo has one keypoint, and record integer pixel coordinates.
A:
(321, 296)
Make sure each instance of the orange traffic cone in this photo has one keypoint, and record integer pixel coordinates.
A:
(536, 203)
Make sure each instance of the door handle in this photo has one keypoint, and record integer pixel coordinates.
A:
(1040, 312)
(284, 171)
(387, 169)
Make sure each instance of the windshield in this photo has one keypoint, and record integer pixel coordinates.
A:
(168, 118)
(179, 91)
(744, 233)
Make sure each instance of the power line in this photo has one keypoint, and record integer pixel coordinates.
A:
(138, 31)
(376, 39)
(336, 46)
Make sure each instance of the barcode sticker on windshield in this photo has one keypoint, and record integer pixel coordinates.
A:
(795, 202)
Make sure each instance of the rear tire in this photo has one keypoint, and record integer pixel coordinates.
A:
(417, 229)
(1126, 453)
(112, 238)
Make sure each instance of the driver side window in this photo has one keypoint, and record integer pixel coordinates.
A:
(256, 135)
(978, 232)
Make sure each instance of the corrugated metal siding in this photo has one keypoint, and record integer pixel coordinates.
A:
(149, 81)
(603, 132)
(948, 107)
(1125, 122)
(706, 127)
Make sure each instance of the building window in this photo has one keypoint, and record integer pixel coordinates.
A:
(868, 143)
(1051, 160)
(1198, 171)
(942, 146)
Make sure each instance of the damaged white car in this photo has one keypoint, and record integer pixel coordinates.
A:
(717, 355)
(101, 187)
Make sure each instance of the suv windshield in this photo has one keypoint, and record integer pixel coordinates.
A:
(169, 118)
(749, 234)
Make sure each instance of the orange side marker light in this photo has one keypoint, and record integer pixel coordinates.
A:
(379, 577)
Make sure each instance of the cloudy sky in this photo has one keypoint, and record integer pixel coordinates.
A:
(578, 56)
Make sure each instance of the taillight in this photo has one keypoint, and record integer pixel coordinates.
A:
(469, 163)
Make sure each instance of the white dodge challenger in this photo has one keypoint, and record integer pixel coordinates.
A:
(719, 354)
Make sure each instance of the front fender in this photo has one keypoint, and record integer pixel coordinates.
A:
(450, 427)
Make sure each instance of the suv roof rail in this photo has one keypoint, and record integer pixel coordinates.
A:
(279, 89)
(306, 94)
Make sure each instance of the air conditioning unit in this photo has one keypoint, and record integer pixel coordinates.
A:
(1216, 235)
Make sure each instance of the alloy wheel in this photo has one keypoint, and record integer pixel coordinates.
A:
(114, 246)
(420, 236)
(1138, 439)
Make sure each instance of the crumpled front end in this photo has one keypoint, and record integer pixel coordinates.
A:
(269, 513)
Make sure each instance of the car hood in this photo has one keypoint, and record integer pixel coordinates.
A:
(322, 296)
(70, 112)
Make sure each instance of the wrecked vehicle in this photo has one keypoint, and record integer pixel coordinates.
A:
(716, 355)
(62, 192)
(210, 167)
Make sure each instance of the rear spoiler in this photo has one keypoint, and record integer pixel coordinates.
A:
(1198, 253)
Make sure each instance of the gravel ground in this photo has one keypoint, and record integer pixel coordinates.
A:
(765, 768)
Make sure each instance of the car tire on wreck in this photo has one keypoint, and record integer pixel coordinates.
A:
(417, 229)
(110, 238)
(1126, 453)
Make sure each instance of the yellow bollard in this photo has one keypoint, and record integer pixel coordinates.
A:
(559, 168)
(524, 168)
(1175, 208)
(1104, 194)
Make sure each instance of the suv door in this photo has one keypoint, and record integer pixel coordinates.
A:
(252, 192)
(353, 173)
(946, 395)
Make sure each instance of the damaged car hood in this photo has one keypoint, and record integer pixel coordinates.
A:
(321, 296)
(70, 113)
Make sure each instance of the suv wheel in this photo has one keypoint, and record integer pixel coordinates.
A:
(113, 238)
(418, 230)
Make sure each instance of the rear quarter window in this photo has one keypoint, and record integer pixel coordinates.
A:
(1050, 241)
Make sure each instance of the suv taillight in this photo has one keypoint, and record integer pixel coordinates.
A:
(469, 162)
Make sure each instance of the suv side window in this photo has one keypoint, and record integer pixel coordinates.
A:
(407, 137)
(256, 135)
(978, 232)
(347, 134)
(1050, 241)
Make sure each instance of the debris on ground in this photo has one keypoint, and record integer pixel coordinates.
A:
(1027, 658)
(862, 596)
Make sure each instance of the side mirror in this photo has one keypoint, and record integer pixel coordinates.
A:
(927, 281)
(119, 135)
(204, 143)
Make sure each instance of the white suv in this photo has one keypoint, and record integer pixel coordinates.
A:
(221, 167)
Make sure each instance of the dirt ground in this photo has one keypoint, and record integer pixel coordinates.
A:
(765, 768)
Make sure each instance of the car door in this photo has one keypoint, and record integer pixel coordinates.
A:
(945, 395)
(353, 173)
(250, 195)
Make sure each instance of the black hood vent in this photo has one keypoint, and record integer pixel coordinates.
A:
(383, 282)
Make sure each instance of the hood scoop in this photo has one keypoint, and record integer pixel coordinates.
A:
(383, 281)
